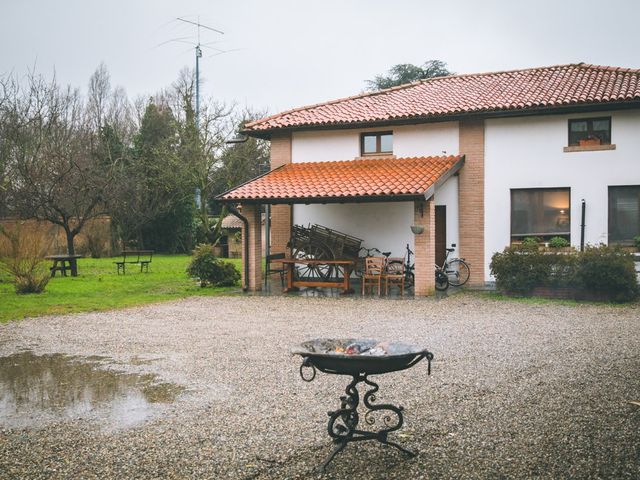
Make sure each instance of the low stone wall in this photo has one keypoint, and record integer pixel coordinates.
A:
(93, 241)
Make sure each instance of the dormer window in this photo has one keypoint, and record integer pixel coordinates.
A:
(376, 143)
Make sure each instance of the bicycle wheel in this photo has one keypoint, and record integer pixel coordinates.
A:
(458, 272)
(442, 282)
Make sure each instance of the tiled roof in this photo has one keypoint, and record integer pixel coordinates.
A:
(231, 221)
(369, 179)
(535, 88)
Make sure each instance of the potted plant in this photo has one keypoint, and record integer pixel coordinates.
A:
(559, 244)
(590, 141)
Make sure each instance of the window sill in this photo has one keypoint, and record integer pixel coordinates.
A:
(375, 156)
(589, 148)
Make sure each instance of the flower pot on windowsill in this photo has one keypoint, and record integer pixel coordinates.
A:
(557, 249)
(417, 229)
(589, 142)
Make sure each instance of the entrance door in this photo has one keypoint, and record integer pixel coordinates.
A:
(441, 233)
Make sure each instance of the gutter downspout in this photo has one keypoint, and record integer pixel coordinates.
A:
(267, 234)
(234, 211)
(582, 225)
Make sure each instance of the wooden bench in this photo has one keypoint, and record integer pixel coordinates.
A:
(134, 257)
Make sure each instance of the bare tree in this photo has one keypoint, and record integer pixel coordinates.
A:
(49, 145)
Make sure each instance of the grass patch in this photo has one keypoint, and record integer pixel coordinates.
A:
(495, 295)
(98, 287)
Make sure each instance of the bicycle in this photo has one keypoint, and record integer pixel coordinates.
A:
(364, 253)
(409, 275)
(453, 272)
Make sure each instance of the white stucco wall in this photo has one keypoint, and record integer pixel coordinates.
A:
(382, 225)
(385, 226)
(528, 153)
(408, 141)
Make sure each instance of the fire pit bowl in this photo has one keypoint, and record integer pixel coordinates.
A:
(360, 358)
(369, 357)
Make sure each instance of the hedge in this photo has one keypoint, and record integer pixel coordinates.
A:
(601, 272)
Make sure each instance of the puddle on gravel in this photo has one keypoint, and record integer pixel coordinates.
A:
(40, 389)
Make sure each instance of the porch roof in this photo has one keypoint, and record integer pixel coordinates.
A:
(368, 180)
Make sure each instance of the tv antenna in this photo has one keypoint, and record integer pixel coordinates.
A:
(198, 46)
(198, 50)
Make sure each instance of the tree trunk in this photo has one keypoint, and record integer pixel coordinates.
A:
(71, 250)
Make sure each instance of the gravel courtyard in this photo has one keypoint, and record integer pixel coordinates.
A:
(518, 390)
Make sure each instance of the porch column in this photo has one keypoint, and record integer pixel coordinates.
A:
(424, 213)
(471, 199)
(254, 236)
(281, 215)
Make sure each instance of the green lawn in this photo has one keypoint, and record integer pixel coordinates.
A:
(99, 288)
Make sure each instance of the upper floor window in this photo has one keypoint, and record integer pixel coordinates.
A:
(540, 212)
(590, 131)
(624, 214)
(376, 143)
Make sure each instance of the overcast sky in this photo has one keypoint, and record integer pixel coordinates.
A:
(293, 53)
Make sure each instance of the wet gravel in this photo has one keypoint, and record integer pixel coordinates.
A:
(518, 390)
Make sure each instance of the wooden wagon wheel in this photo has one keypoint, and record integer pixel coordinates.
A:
(313, 251)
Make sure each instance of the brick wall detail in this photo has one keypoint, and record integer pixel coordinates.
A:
(471, 198)
(253, 215)
(281, 215)
(425, 247)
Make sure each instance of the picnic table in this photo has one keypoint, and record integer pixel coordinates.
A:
(293, 284)
(62, 263)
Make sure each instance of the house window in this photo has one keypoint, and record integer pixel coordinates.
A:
(376, 143)
(624, 214)
(540, 212)
(590, 131)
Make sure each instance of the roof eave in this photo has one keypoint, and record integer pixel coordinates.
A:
(324, 200)
(520, 112)
(430, 192)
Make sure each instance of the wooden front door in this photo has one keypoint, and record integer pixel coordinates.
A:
(441, 233)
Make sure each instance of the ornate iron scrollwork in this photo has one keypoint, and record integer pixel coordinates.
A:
(343, 423)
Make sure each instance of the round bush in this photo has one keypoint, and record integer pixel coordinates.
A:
(210, 270)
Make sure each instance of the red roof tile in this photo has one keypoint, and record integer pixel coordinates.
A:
(534, 88)
(352, 179)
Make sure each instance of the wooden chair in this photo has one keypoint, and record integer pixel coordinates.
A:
(373, 271)
(270, 271)
(394, 274)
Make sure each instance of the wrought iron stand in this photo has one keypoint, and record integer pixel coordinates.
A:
(343, 423)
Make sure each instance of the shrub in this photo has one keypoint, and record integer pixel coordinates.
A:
(602, 272)
(608, 272)
(636, 242)
(210, 270)
(520, 268)
(559, 242)
(22, 257)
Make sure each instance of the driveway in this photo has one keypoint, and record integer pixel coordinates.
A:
(206, 388)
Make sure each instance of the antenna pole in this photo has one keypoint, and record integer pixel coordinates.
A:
(198, 55)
